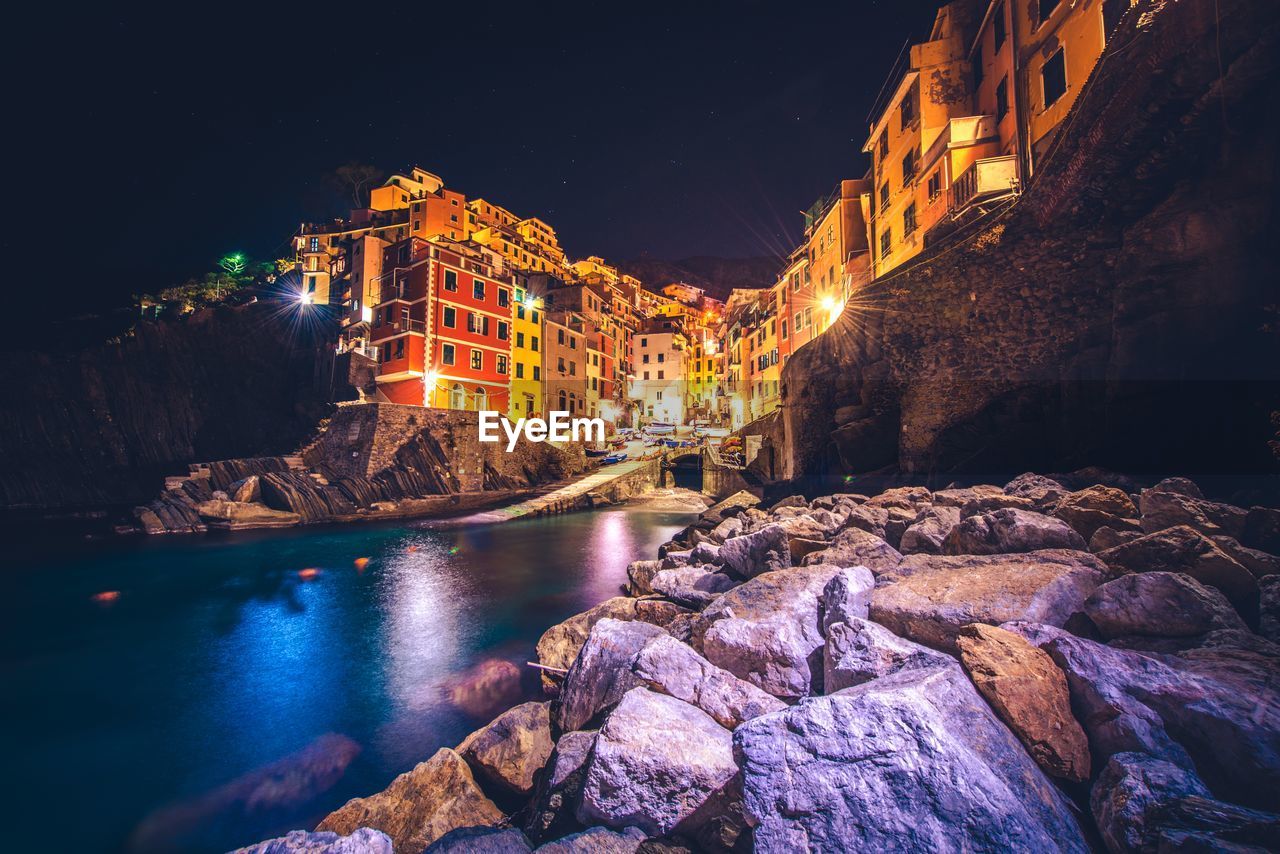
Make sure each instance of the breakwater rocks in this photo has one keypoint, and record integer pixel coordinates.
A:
(990, 668)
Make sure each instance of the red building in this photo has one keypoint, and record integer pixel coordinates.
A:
(442, 326)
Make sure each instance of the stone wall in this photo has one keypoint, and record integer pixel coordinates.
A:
(1116, 314)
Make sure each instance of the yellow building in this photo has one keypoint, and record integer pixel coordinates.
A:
(526, 353)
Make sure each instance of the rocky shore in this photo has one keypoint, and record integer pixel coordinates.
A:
(1027, 667)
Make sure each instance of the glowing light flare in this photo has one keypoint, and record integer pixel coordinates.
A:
(106, 597)
(305, 299)
(309, 573)
(361, 563)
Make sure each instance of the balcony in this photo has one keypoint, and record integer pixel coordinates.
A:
(384, 331)
(985, 179)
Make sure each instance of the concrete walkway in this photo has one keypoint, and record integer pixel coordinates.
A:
(562, 494)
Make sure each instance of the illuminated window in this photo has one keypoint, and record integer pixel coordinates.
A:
(502, 364)
(477, 360)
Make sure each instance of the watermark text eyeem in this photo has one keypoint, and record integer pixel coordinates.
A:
(559, 427)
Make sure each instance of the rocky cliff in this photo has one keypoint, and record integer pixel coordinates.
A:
(103, 422)
(1121, 311)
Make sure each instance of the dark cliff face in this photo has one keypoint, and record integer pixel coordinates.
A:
(717, 276)
(1121, 313)
(104, 424)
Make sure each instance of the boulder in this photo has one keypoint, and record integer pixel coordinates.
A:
(929, 598)
(926, 533)
(791, 501)
(361, 841)
(559, 645)
(1208, 708)
(765, 550)
(1258, 562)
(1262, 529)
(673, 668)
(1162, 510)
(900, 518)
(1043, 492)
(551, 811)
(1160, 604)
(486, 688)
(1107, 537)
(807, 527)
(856, 547)
(673, 559)
(639, 574)
(1269, 608)
(1183, 549)
(959, 497)
(987, 503)
(705, 554)
(481, 840)
(1089, 509)
(847, 596)
(1142, 803)
(601, 674)
(511, 750)
(915, 761)
(727, 529)
(1008, 531)
(235, 515)
(802, 547)
(867, 518)
(245, 490)
(859, 650)
(768, 630)
(692, 586)
(597, 840)
(902, 497)
(420, 805)
(1180, 485)
(1029, 693)
(657, 763)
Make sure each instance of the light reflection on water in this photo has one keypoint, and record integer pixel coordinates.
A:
(156, 715)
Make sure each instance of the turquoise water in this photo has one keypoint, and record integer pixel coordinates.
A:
(223, 697)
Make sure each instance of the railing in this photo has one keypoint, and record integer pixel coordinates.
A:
(990, 176)
(415, 326)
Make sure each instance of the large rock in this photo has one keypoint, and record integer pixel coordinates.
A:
(1008, 531)
(511, 750)
(235, 515)
(420, 805)
(1029, 693)
(1043, 492)
(1211, 708)
(958, 497)
(856, 547)
(560, 644)
(597, 840)
(656, 764)
(903, 497)
(727, 529)
(639, 574)
(1183, 549)
(765, 550)
(859, 650)
(867, 518)
(551, 812)
(674, 668)
(481, 840)
(926, 534)
(847, 596)
(1258, 562)
(601, 674)
(1089, 509)
(1262, 529)
(1269, 618)
(246, 490)
(1162, 509)
(915, 761)
(1160, 604)
(692, 586)
(1145, 804)
(768, 631)
(361, 841)
(486, 688)
(929, 598)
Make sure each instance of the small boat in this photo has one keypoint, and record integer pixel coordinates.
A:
(596, 452)
(659, 428)
(679, 443)
(618, 457)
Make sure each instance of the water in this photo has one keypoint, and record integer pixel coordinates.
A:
(146, 723)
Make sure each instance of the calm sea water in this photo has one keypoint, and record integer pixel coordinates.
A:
(224, 696)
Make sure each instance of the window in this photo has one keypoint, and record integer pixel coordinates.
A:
(977, 71)
(644, 342)
(997, 25)
(1002, 99)
(450, 317)
(646, 375)
(503, 330)
(504, 297)
(537, 373)
(502, 364)
(935, 184)
(482, 398)
(658, 395)
(450, 280)
(535, 316)
(559, 336)
(808, 317)
(645, 358)
(399, 348)
(477, 360)
(1053, 74)
(884, 196)
(909, 219)
(560, 364)
(533, 343)
(519, 339)
(662, 375)
(477, 289)
(519, 311)
(563, 399)
(573, 369)
(886, 240)
(446, 354)
(313, 244)
(908, 109)
(799, 321)
(884, 144)
(457, 397)
(519, 370)
(1046, 9)
(662, 357)
(908, 167)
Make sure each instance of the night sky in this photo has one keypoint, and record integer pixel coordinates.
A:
(152, 144)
